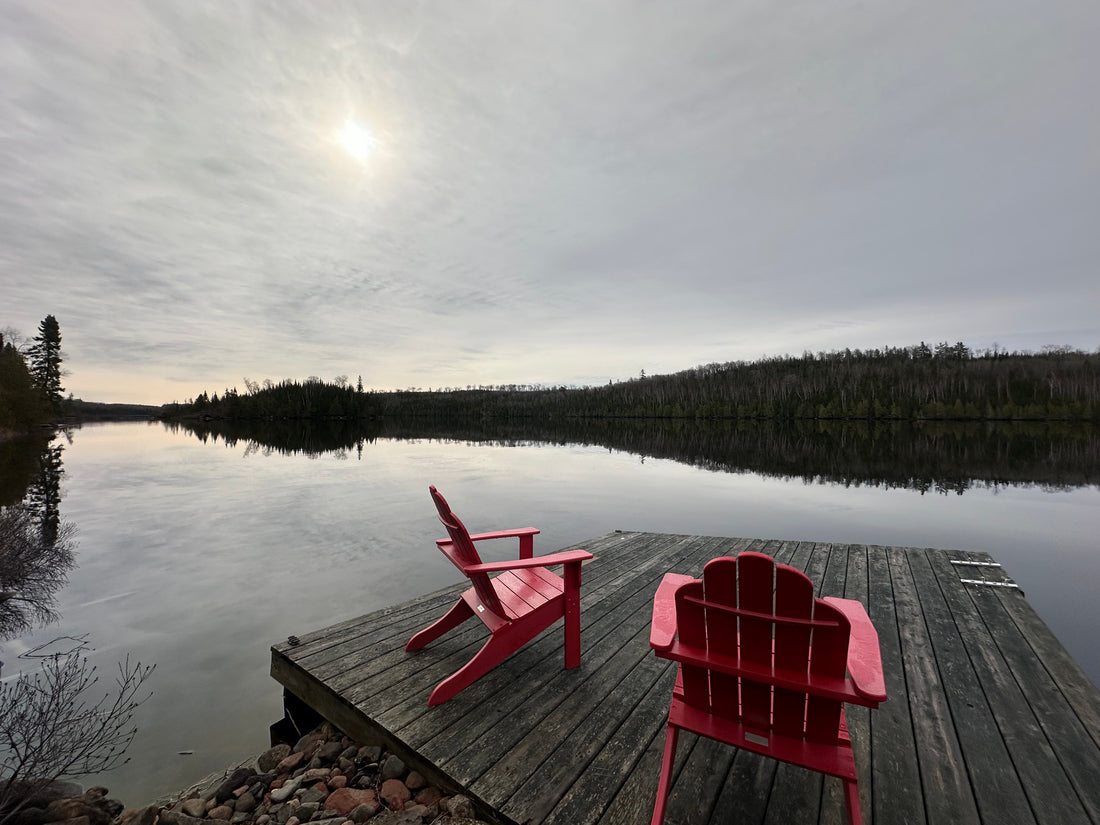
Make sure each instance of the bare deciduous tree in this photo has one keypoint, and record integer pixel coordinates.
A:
(51, 727)
(32, 568)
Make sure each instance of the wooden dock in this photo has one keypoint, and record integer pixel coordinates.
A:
(989, 720)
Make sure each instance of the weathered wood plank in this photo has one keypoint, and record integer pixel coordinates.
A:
(1045, 783)
(896, 797)
(944, 778)
(537, 743)
(993, 779)
(1006, 614)
(452, 727)
(595, 790)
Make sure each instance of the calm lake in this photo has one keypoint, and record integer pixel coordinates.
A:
(199, 554)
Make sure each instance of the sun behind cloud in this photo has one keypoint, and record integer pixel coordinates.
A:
(356, 139)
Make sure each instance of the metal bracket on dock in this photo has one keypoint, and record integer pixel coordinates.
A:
(988, 583)
(976, 563)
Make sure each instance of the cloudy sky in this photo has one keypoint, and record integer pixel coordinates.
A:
(445, 194)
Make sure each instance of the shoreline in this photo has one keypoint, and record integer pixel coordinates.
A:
(325, 778)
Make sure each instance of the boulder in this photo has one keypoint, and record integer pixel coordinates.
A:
(194, 807)
(364, 812)
(346, 800)
(392, 768)
(272, 757)
(395, 794)
(290, 763)
(459, 807)
(239, 777)
(170, 817)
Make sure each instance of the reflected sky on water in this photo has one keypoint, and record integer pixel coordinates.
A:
(199, 556)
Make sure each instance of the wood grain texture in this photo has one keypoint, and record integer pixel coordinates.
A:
(988, 718)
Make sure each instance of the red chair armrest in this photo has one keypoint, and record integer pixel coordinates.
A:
(662, 629)
(498, 534)
(506, 534)
(864, 655)
(568, 557)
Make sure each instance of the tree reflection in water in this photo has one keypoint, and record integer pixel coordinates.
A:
(939, 456)
(36, 547)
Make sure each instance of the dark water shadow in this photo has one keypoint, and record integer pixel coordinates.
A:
(945, 457)
(36, 546)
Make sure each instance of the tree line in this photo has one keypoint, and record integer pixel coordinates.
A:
(922, 382)
(30, 377)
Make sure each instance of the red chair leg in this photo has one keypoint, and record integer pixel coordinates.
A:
(572, 610)
(452, 619)
(851, 802)
(665, 783)
(492, 653)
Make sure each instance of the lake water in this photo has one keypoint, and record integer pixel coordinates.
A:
(200, 555)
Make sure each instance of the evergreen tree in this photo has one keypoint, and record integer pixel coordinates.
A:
(46, 359)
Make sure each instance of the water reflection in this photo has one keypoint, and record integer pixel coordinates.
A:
(944, 457)
(36, 546)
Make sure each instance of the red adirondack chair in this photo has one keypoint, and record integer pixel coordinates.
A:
(765, 666)
(516, 606)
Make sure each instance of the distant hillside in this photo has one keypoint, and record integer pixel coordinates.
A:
(80, 410)
(919, 383)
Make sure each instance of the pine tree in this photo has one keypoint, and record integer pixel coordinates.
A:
(46, 358)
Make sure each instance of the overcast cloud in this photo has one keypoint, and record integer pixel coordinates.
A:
(555, 192)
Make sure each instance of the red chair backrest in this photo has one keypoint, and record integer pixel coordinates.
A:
(763, 615)
(462, 553)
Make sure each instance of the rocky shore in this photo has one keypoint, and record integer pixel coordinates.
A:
(324, 778)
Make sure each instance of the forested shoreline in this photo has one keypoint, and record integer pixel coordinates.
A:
(944, 382)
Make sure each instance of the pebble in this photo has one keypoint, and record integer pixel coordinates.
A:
(325, 779)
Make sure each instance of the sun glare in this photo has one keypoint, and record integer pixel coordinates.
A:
(356, 140)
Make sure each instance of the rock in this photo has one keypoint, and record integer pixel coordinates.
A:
(459, 806)
(312, 795)
(370, 753)
(313, 774)
(290, 763)
(263, 819)
(330, 751)
(193, 807)
(140, 816)
(309, 744)
(429, 796)
(395, 794)
(350, 752)
(220, 812)
(284, 793)
(308, 809)
(272, 757)
(414, 781)
(293, 821)
(392, 768)
(345, 800)
(361, 813)
(246, 803)
(337, 782)
(168, 817)
(240, 818)
(239, 777)
(63, 810)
